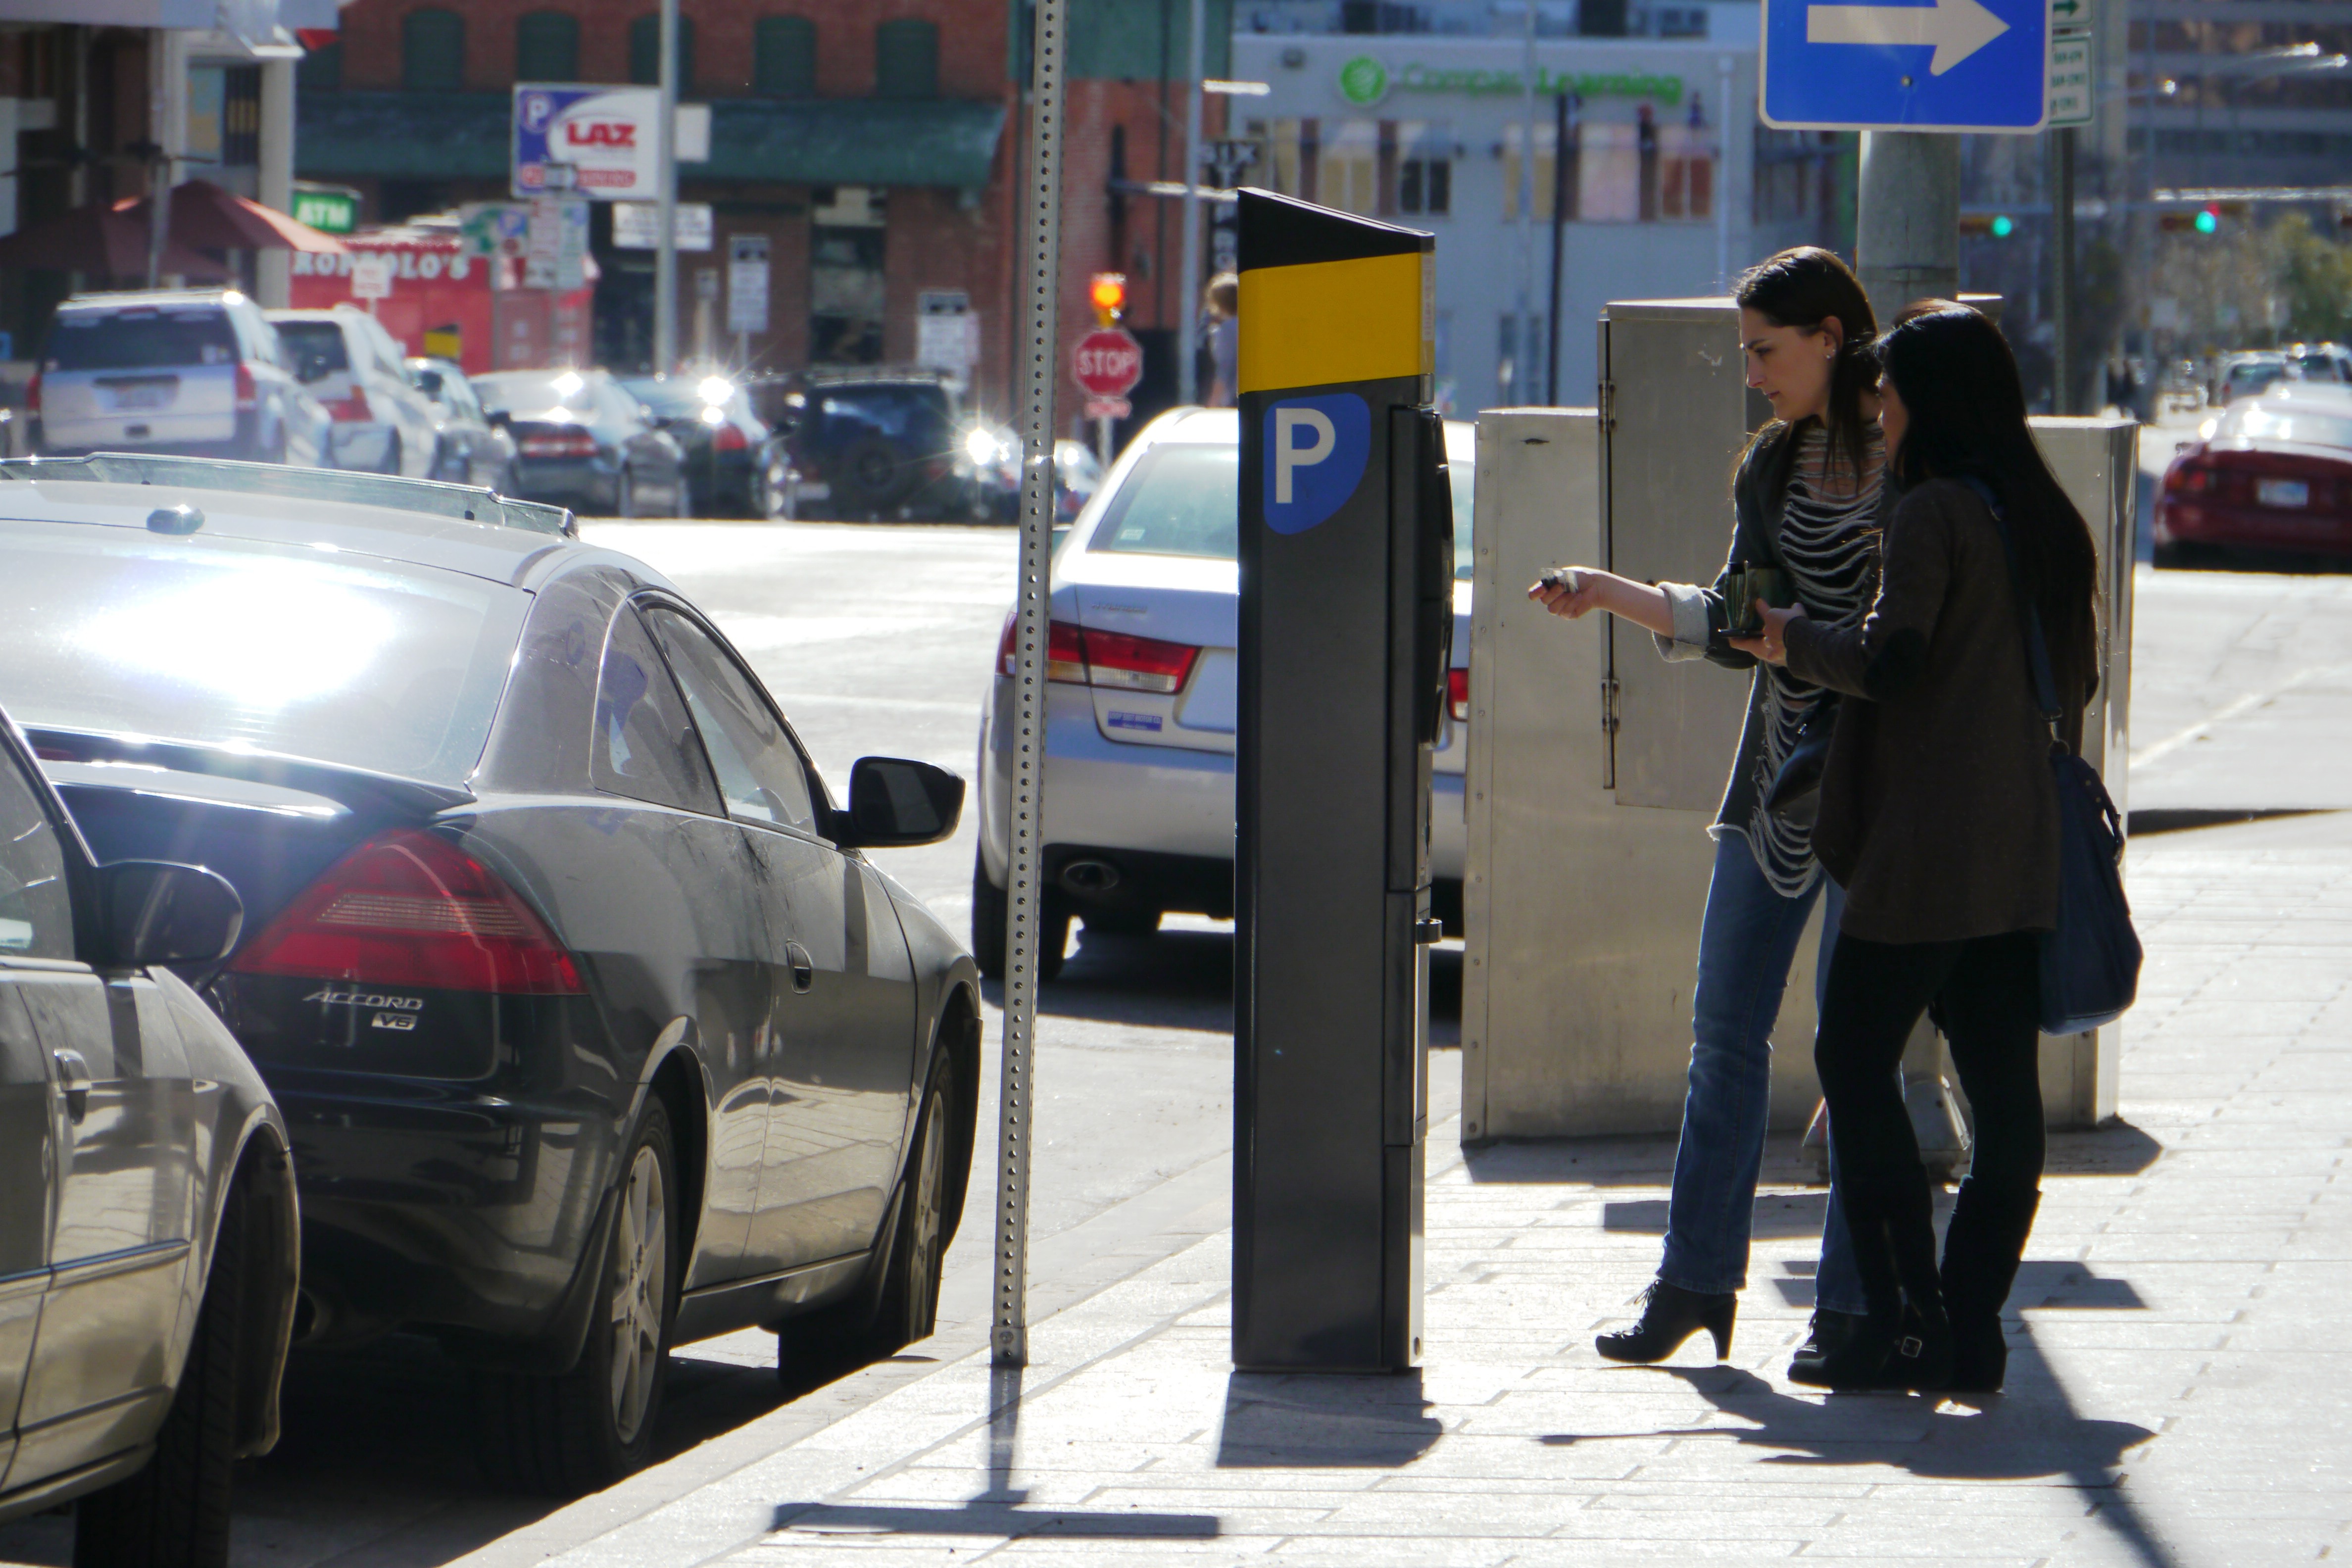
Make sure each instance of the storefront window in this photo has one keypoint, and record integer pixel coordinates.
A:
(1424, 176)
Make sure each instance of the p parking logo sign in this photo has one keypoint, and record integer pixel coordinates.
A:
(1315, 453)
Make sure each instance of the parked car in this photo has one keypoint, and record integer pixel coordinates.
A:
(383, 422)
(732, 459)
(595, 1030)
(580, 441)
(200, 371)
(2247, 375)
(991, 465)
(2319, 362)
(148, 1244)
(2269, 476)
(877, 444)
(468, 449)
(1141, 706)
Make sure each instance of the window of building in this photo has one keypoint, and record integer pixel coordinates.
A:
(645, 53)
(322, 69)
(1350, 177)
(907, 59)
(546, 46)
(432, 51)
(1424, 171)
(783, 57)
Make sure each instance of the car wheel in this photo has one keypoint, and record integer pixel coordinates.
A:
(174, 1511)
(990, 934)
(771, 493)
(624, 495)
(875, 477)
(586, 1428)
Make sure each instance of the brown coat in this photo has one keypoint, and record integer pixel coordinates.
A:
(1937, 813)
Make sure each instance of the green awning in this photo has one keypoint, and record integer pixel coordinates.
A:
(811, 141)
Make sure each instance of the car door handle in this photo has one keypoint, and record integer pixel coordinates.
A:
(804, 966)
(73, 1072)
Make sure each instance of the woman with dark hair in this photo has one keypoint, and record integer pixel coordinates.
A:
(1806, 500)
(1939, 818)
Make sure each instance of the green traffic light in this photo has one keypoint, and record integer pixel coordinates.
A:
(2208, 221)
(2004, 226)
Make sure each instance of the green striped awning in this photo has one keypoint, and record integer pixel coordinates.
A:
(809, 141)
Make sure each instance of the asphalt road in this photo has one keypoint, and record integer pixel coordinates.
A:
(879, 639)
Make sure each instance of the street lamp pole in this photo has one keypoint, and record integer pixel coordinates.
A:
(666, 236)
(1188, 310)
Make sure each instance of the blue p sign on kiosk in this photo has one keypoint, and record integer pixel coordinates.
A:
(1314, 452)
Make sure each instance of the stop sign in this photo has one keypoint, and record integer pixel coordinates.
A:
(1108, 361)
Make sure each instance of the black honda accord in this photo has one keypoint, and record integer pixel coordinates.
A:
(594, 1030)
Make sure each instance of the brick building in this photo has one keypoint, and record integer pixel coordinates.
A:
(875, 143)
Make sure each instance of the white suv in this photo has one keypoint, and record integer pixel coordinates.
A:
(384, 423)
(1139, 714)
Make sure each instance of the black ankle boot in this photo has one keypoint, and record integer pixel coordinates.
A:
(1670, 1315)
(1981, 1248)
(1828, 1329)
(1884, 1351)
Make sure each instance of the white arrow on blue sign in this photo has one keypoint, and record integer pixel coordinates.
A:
(1951, 65)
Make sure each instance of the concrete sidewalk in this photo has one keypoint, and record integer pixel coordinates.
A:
(2176, 1386)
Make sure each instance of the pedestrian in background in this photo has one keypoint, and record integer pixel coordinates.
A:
(1221, 307)
(1805, 500)
(1939, 817)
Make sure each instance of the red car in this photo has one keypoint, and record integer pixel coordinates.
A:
(2270, 476)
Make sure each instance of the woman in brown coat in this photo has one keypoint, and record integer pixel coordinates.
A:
(1939, 818)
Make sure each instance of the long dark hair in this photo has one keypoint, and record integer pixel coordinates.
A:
(1958, 384)
(1806, 288)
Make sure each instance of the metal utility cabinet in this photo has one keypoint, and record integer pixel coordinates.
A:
(1596, 766)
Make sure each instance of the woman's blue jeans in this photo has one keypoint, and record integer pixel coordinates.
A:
(1748, 940)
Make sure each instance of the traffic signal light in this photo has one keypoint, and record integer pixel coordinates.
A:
(2208, 219)
(1107, 294)
(2003, 226)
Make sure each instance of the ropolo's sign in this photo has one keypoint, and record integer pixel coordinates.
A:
(1364, 81)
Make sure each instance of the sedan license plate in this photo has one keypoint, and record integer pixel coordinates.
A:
(2282, 492)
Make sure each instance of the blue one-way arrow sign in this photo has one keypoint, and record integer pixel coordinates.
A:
(1950, 64)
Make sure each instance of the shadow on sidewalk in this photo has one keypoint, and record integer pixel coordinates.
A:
(1311, 1421)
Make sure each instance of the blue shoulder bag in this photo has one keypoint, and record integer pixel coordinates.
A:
(2090, 962)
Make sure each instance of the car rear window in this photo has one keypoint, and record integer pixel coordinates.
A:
(1178, 499)
(2261, 422)
(324, 340)
(535, 392)
(140, 339)
(356, 661)
(902, 413)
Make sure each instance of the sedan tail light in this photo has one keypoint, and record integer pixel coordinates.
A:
(409, 907)
(33, 394)
(249, 396)
(573, 444)
(351, 410)
(1457, 693)
(728, 439)
(2189, 478)
(1080, 656)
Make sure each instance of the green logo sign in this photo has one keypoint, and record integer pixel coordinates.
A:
(330, 212)
(1363, 81)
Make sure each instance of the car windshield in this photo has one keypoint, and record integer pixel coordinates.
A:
(533, 391)
(1181, 499)
(2255, 372)
(2267, 421)
(360, 662)
(322, 339)
(139, 340)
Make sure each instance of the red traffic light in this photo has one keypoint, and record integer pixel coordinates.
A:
(1107, 294)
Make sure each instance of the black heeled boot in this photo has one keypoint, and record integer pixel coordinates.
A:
(1982, 1248)
(1670, 1315)
(1906, 1341)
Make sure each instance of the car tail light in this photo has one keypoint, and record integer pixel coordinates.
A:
(350, 410)
(572, 444)
(1079, 655)
(249, 396)
(409, 907)
(1457, 693)
(727, 438)
(2189, 478)
(33, 394)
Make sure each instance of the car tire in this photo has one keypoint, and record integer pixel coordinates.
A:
(875, 477)
(582, 1430)
(624, 495)
(772, 493)
(990, 935)
(174, 1512)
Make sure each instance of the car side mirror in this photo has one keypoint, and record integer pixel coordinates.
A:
(895, 802)
(156, 911)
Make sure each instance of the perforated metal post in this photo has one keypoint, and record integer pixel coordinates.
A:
(1024, 894)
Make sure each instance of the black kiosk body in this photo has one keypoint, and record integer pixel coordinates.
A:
(1346, 574)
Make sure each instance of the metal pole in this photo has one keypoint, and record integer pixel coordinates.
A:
(1523, 336)
(1720, 187)
(1907, 230)
(2062, 390)
(665, 238)
(1558, 244)
(1188, 313)
(1041, 221)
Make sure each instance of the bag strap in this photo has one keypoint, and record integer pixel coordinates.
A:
(2037, 649)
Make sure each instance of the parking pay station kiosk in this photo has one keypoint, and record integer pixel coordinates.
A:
(1347, 569)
